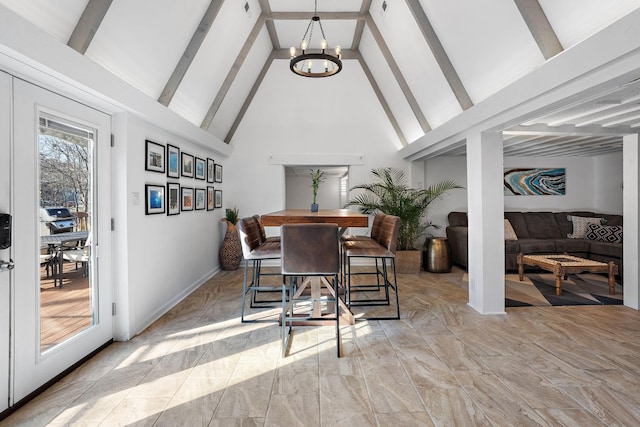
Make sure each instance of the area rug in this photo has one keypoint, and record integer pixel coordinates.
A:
(539, 289)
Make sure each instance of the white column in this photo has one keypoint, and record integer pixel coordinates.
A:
(630, 196)
(486, 222)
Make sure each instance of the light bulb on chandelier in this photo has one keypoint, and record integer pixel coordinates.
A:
(302, 63)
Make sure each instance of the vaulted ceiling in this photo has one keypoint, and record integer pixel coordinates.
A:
(427, 61)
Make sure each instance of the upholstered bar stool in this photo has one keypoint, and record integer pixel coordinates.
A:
(309, 250)
(383, 249)
(376, 226)
(254, 251)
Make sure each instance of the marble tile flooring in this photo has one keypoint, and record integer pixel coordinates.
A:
(441, 364)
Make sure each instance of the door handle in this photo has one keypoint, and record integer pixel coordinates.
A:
(6, 265)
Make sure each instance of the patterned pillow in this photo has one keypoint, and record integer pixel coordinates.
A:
(580, 224)
(509, 232)
(604, 233)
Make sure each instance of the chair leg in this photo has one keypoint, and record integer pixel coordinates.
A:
(244, 290)
(337, 306)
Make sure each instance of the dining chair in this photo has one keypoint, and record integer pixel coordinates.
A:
(309, 251)
(376, 226)
(80, 255)
(382, 249)
(48, 260)
(254, 251)
(263, 233)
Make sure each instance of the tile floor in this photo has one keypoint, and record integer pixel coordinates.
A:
(441, 364)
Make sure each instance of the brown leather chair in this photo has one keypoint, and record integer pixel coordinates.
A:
(263, 234)
(254, 251)
(383, 249)
(308, 250)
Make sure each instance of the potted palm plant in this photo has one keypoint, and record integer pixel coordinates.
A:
(390, 194)
(317, 177)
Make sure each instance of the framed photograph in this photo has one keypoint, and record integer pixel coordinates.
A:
(154, 157)
(218, 173)
(154, 199)
(200, 168)
(200, 199)
(187, 165)
(210, 203)
(217, 198)
(173, 161)
(173, 198)
(210, 177)
(187, 199)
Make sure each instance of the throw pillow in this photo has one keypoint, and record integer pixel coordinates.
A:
(509, 232)
(605, 233)
(580, 224)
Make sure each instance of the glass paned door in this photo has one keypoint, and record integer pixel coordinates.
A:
(62, 290)
(67, 285)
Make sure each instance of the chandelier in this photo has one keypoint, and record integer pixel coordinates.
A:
(317, 62)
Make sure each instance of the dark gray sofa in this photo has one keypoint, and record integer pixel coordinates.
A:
(538, 233)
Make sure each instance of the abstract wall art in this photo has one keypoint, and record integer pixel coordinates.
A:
(534, 181)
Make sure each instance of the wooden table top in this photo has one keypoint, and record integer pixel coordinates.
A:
(342, 217)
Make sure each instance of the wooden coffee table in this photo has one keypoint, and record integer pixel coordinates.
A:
(562, 264)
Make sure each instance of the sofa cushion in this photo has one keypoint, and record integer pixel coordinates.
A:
(605, 233)
(580, 224)
(572, 245)
(537, 246)
(458, 219)
(542, 225)
(518, 223)
(512, 246)
(612, 219)
(613, 250)
(509, 232)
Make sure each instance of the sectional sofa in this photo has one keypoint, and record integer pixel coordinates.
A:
(579, 233)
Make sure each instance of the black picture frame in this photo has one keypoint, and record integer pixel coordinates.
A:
(218, 173)
(210, 199)
(210, 170)
(186, 199)
(154, 199)
(200, 199)
(173, 161)
(154, 156)
(200, 169)
(218, 198)
(187, 165)
(173, 198)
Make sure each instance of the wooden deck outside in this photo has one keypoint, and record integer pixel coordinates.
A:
(64, 311)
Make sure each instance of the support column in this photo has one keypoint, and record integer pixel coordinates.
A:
(485, 195)
(630, 196)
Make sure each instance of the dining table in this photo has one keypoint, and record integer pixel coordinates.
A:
(345, 218)
(56, 242)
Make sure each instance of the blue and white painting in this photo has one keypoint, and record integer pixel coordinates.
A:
(534, 181)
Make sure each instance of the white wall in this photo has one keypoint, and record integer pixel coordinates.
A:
(161, 258)
(311, 121)
(593, 183)
(299, 194)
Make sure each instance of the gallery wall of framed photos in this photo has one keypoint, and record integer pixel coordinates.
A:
(187, 181)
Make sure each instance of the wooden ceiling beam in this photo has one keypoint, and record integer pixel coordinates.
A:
(271, 28)
(190, 52)
(440, 55)
(540, 28)
(233, 72)
(88, 25)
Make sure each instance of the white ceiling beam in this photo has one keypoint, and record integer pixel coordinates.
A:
(540, 28)
(233, 72)
(440, 54)
(381, 99)
(88, 24)
(566, 130)
(190, 52)
(395, 70)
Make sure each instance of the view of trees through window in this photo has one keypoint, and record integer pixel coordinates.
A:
(64, 167)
